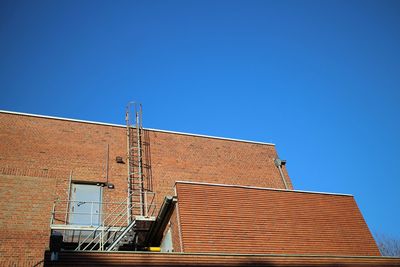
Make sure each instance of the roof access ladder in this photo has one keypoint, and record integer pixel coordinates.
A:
(139, 205)
(137, 186)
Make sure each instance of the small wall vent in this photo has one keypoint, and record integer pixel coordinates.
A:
(119, 159)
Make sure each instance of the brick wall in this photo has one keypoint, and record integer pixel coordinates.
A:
(37, 156)
(25, 206)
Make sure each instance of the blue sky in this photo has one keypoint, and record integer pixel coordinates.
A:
(320, 79)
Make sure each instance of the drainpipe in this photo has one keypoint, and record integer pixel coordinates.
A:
(278, 163)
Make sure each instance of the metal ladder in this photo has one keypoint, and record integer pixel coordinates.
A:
(137, 183)
(137, 205)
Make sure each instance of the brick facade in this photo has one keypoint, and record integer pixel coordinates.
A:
(38, 155)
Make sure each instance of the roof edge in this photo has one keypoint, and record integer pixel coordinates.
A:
(120, 125)
(263, 188)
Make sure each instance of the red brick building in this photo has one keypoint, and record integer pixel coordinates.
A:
(49, 166)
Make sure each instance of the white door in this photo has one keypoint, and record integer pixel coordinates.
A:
(85, 204)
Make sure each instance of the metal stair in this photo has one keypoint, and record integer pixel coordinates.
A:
(127, 236)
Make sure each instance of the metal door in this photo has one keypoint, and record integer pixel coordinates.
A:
(85, 206)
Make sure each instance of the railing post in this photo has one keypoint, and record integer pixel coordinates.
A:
(102, 229)
(53, 212)
(91, 215)
(68, 199)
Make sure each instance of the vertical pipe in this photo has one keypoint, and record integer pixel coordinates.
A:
(68, 196)
(145, 204)
(101, 208)
(107, 161)
(278, 164)
(283, 177)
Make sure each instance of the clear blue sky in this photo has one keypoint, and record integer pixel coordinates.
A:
(320, 79)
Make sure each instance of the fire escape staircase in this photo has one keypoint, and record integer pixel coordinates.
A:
(112, 234)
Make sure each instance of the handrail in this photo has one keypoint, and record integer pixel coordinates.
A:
(99, 235)
(80, 243)
(68, 212)
(91, 213)
(111, 215)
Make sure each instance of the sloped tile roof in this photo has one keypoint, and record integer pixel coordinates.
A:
(237, 219)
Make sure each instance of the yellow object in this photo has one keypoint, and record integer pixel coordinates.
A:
(154, 249)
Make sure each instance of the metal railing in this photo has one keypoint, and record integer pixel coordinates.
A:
(63, 216)
(103, 225)
(105, 235)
